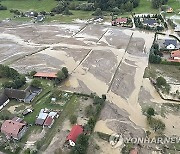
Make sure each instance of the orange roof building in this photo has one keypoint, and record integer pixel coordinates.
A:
(46, 75)
(175, 56)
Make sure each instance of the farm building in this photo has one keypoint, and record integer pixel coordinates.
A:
(74, 133)
(52, 75)
(13, 128)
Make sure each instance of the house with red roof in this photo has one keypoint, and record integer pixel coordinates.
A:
(48, 122)
(74, 133)
(52, 75)
(175, 56)
(119, 21)
(13, 128)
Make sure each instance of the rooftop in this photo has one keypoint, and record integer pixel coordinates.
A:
(46, 75)
(75, 132)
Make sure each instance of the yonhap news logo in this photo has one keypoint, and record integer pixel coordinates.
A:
(117, 140)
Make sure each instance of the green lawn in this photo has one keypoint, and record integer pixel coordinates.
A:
(145, 7)
(77, 14)
(25, 5)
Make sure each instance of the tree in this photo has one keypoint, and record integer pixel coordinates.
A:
(98, 12)
(89, 111)
(32, 73)
(81, 145)
(67, 12)
(61, 75)
(150, 112)
(104, 97)
(65, 71)
(128, 6)
(160, 81)
(36, 83)
(156, 3)
(73, 119)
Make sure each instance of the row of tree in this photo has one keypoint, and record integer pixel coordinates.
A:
(155, 54)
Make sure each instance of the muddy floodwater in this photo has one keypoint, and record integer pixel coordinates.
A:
(101, 59)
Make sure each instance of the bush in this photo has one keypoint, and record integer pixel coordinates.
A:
(73, 119)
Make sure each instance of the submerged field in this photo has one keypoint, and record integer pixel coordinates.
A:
(101, 59)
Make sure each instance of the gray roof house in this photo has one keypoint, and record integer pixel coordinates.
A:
(150, 22)
(26, 95)
(168, 42)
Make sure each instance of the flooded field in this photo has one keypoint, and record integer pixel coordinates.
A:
(100, 59)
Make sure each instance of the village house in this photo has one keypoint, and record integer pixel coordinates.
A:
(175, 56)
(43, 75)
(119, 21)
(26, 95)
(150, 22)
(14, 129)
(74, 133)
(170, 43)
(4, 100)
(41, 118)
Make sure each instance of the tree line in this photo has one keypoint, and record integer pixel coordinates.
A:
(17, 80)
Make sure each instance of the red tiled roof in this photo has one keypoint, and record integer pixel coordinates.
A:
(121, 20)
(11, 128)
(74, 133)
(175, 53)
(46, 75)
(48, 121)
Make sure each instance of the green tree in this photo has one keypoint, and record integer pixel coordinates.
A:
(61, 75)
(32, 73)
(65, 71)
(89, 111)
(160, 81)
(36, 83)
(156, 3)
(81, 145)
(150, 112)
(98, 12)
(73, 119)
